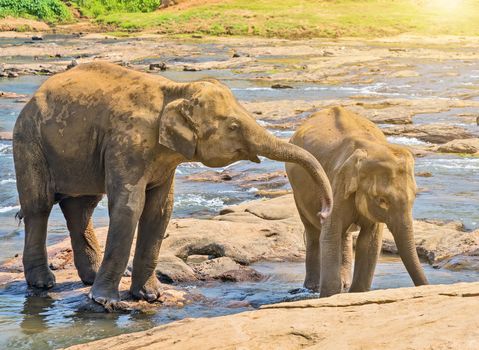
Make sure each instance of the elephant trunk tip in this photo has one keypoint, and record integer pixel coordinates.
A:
(326, 209)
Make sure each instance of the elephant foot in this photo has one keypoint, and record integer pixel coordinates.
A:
(40, 277)
(313, 286)
(87, 276)
(149, 292)
(107, 296)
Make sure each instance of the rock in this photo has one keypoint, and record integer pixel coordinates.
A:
(433, 133)
(281, 86)
(467, 146)
(197, 259)
(468, 261)
(171, 269)
(190, 69)
(11, 95)
(423, 174)
(225, 269)
(197, 36)
(12, 75)
(161, 66)
(397, 49)
(236, 55)
(72, 64)
(37, 38)
(437, 241)
(405, 74)
(421, 318)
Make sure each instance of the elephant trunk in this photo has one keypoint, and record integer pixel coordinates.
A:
(273, 148)
(404, 238)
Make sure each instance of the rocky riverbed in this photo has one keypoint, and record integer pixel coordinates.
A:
(223, 253)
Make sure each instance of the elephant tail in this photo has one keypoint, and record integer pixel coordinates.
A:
(19, 216)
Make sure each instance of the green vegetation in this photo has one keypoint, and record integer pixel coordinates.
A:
(269, 18)
(47, 10)
(95, 8)
(308, 18)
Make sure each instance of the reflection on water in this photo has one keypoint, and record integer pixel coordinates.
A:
(39, 322)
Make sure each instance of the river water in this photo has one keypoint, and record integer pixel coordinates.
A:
(451, 194)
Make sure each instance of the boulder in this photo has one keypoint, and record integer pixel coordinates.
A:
(467, 146)
(225, 269)
(172, 269)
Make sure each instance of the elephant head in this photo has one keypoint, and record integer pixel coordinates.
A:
(382, 181)
(211, 127)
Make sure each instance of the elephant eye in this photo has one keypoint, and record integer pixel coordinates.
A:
(234, 126)
(383, 203)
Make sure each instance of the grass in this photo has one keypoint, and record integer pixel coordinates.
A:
(307, 18)
(50, 11)
(95, 8)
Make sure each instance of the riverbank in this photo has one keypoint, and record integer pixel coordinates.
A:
(265, 18)
(428, 317)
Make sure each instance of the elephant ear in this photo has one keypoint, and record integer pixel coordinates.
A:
(178, 131)
(348, 173)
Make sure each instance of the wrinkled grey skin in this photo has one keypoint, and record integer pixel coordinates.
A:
(102, 129)
(373, 184)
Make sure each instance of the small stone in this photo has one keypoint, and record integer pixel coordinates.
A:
(72, 64)
(281, 86)
(226, 177)
(161, 66)
(424, 174)
(37, 38)
(197, 36)
(12, 74)
(236, 55)
(58, 55)
(327, 54)
(197, 259)
(190, 69)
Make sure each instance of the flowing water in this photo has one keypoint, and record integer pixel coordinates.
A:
(452, 193)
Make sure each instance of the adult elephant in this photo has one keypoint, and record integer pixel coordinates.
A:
(103, 129)
(373, 183)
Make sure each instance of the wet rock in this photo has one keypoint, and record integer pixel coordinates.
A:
(281, 86)
(433, 133)
(468, 261)
(423, 174)
(72, 64)
(37, 38)
(12, 75)
(11, 95)
(171, 269)
(467, 146)
(158, 66)
(225, 269)
(190, 69)
(405, 74)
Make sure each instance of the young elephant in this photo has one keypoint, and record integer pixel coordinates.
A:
(373, 183)
(103, 129)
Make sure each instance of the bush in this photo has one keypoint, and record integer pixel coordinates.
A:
(47, 10)
(96, 8)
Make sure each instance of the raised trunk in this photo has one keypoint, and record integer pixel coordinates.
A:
(273, 148)
(404, 238)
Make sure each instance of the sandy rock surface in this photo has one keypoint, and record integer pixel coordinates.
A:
(428, 317)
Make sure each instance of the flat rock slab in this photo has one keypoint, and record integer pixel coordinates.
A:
(428, 317)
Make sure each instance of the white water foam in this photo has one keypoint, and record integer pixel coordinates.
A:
(9, 208)
(7, 181)
(410, 141)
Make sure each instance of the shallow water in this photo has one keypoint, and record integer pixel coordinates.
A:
(452, 194)
(43, 323)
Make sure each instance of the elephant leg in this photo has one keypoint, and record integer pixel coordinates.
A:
(347, 260)
(151, 229)
(368, 249)
(36, 201)
(313, 267)
(86, 250)
(125, 204)
(35, 261)
(331, 244)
